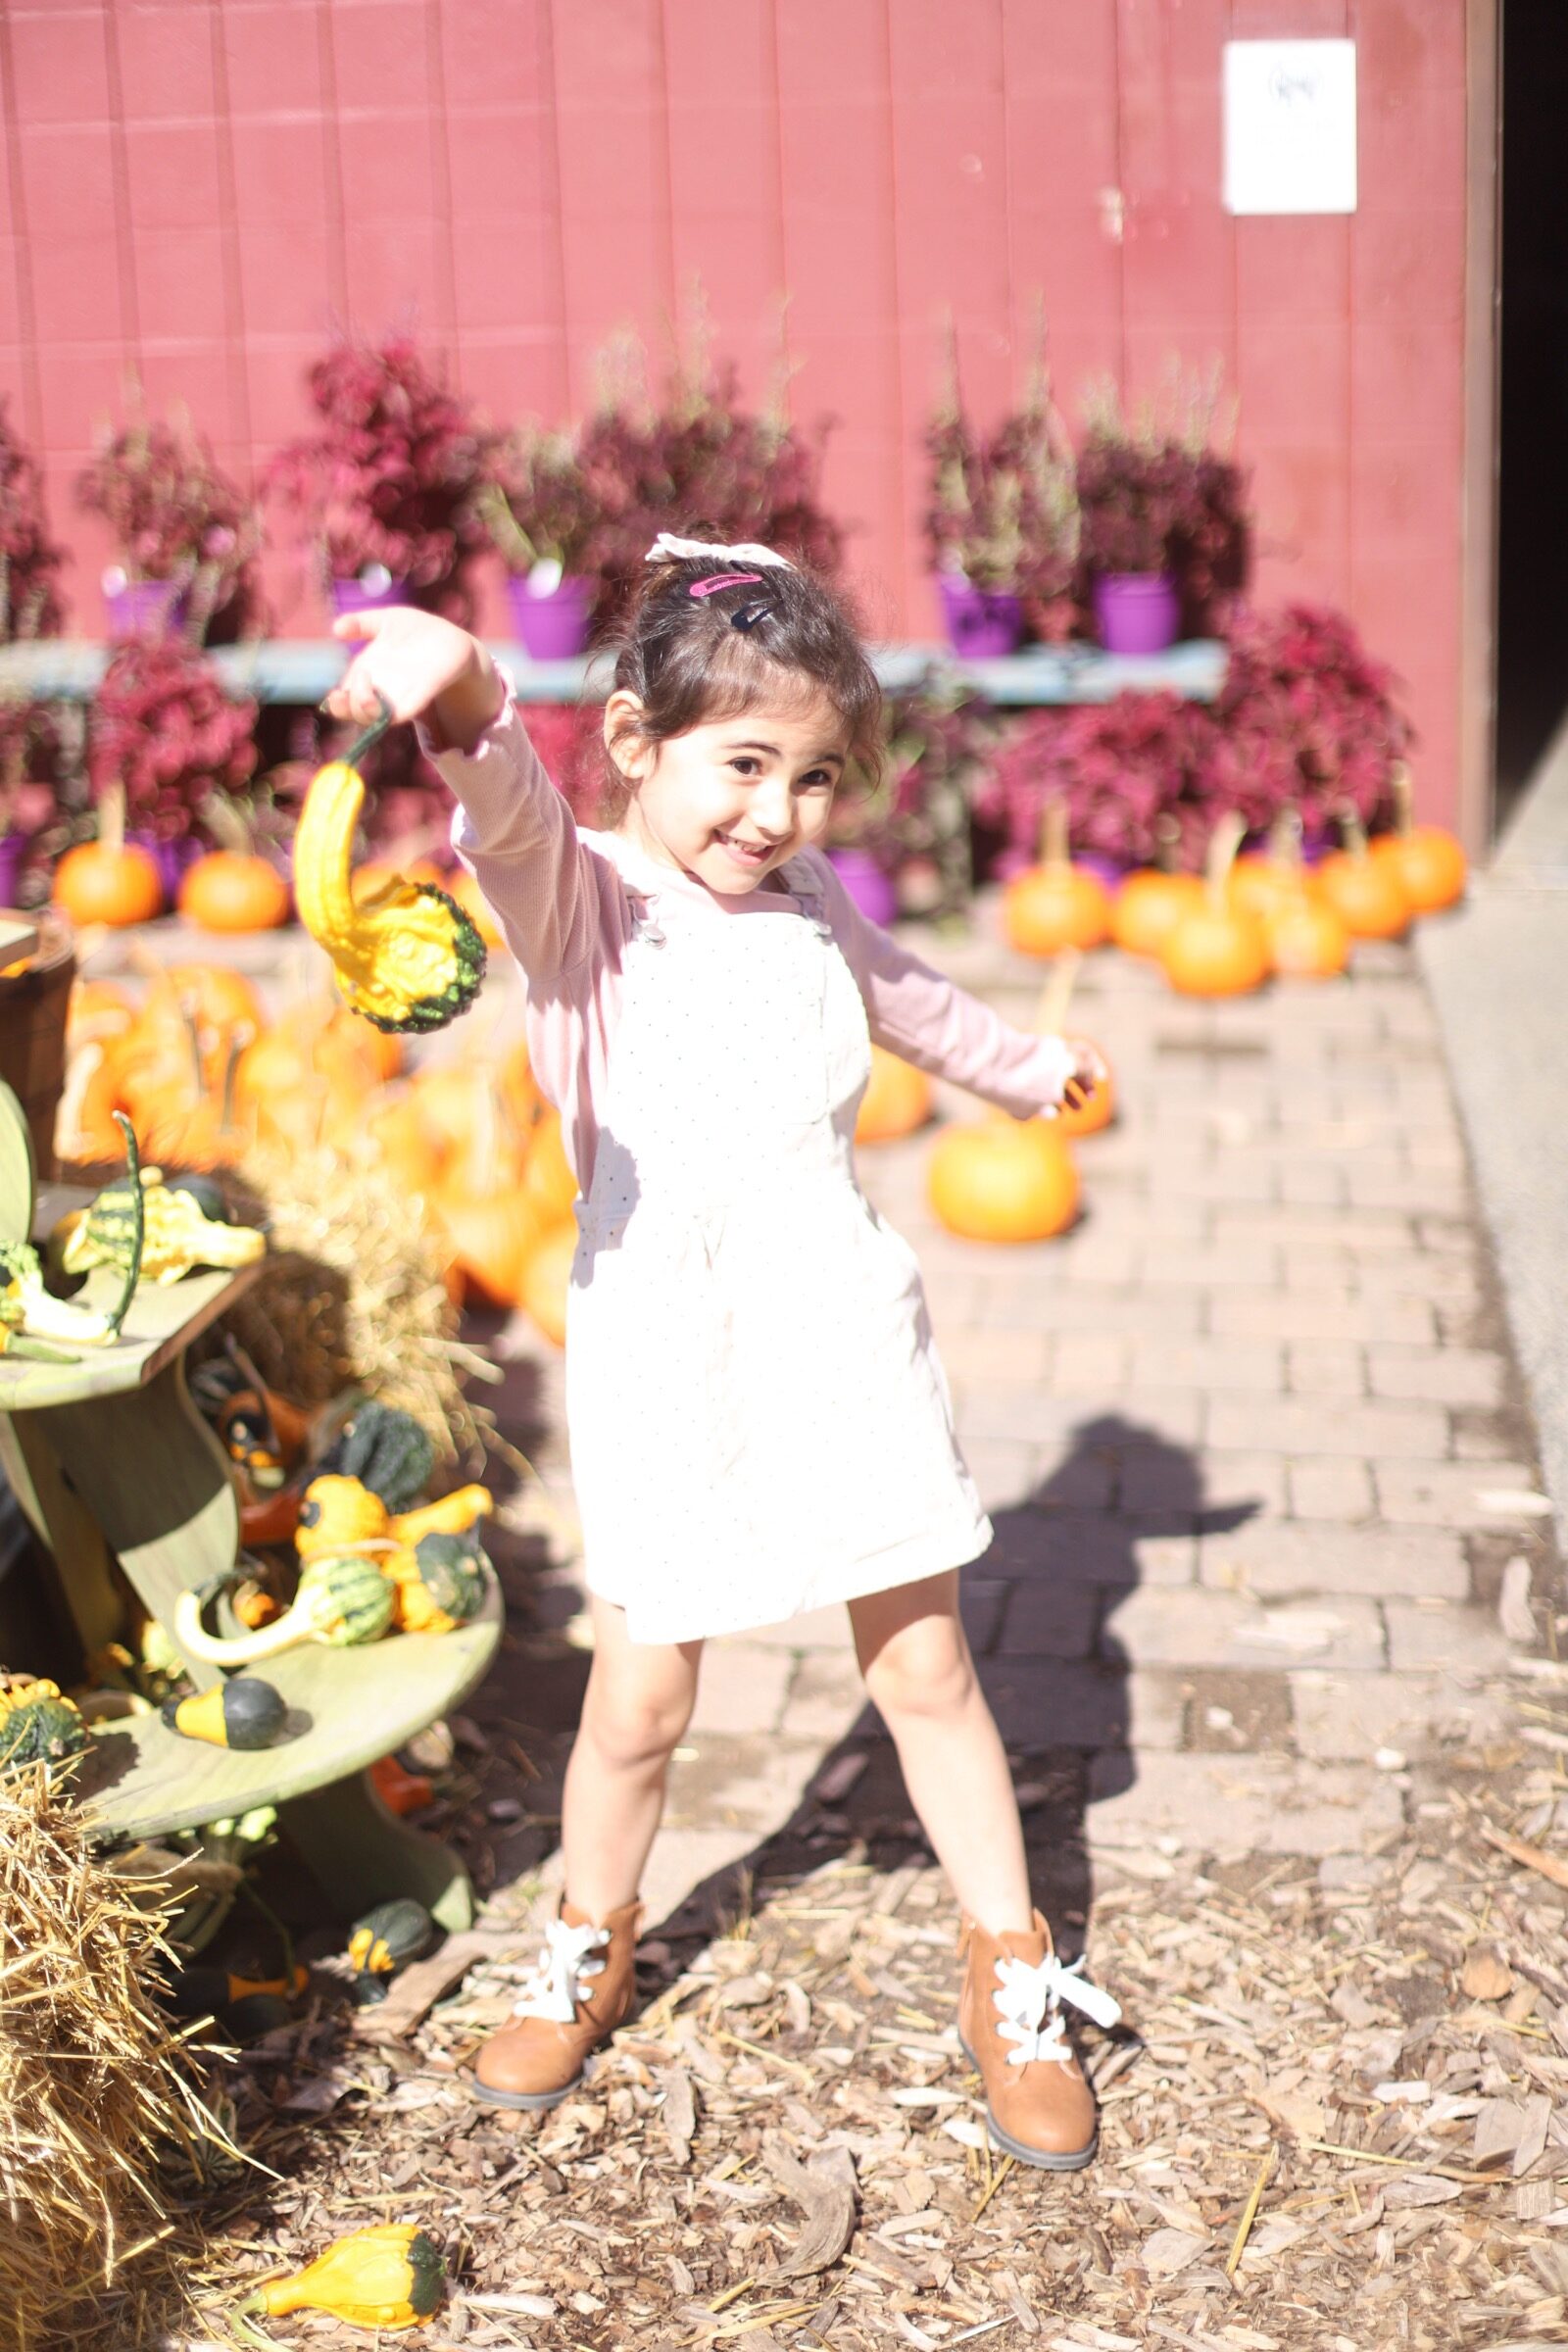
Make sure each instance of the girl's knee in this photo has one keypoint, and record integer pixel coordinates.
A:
(634, 1724)
(923, 1670)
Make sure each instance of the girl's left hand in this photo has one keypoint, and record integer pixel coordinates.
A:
(1087, 1072)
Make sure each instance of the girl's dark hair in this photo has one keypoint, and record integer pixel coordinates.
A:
(772, 634)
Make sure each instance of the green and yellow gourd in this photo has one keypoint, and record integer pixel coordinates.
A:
(31, 1318)
(243, 1713)
(406, 955)
(343, 1599)
(388, 2276)
(383, 1941)
(176, 1235)
(440, 1583)
(38, 1725)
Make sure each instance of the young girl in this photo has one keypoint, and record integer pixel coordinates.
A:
(758, 1419)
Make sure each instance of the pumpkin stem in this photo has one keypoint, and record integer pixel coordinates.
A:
(1223, 844)
(1168, 844)
(112, 818)
(1051, 1014)
(1285, 841)
(1402, 790)
(1351, 827)
(1053, 836)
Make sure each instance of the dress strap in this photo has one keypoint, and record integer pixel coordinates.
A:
(806, 885)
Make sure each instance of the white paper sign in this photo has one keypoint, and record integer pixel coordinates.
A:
(1290, 126)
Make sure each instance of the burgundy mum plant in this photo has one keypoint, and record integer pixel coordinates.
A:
(389, 474)
(30, 559)
(1306, 718)
(163, 725)
(177, 515)
(701, 463)
(1004, 508)
(1120, 766)
(1158, 496)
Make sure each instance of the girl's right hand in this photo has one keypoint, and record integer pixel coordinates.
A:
(418, 666)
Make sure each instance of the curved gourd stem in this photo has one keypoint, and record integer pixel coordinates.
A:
(138, 1223)
(371, 735)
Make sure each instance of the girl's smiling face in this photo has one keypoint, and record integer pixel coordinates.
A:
(729, 800)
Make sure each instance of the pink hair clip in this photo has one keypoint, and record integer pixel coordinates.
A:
(725, 579)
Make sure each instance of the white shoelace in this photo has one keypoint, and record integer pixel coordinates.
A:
(1027, 1994)
(552, 1990)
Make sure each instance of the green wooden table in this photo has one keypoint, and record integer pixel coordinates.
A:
(110, 1457)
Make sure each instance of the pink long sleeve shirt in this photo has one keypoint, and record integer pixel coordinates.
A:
(569, 912)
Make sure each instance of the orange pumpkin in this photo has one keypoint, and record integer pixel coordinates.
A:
(85, 1123)
(95, 883)
(547, 1281)
(233, 890)
(492, 1237)
(1004, 1180)
(1266, 881)
(221, 998)
(515, 1081)
(1366, 892)
(1307, 939)
(1426, 859)
(549, 1180)
(405, 1143)
(1148, 906)
(896, 1101)
(1217, 949)
(1056, 904)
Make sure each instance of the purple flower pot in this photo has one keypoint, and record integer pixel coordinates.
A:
(173, 858)
(553, 627)
(981, 622)
(143, 607)
(369, 591)
(1138, 612)
(869, 884)
(14, 848)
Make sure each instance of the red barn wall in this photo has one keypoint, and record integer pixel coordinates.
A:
(202, 191)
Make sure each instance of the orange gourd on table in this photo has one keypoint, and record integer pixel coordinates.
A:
(896, 1101)
(234, 890)
(1217, 949)
(1056, 904)
(1365, 891)
(1004, 1180)
(1426, 860)
(547, 1279)
(221, 998)
(108, 880)
(96, 1011)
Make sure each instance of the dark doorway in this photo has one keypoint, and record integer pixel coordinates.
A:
(1533, 505)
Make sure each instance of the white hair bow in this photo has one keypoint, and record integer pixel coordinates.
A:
(682, 551)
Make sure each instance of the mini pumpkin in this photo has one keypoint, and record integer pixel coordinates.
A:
(1056, 904)
(233, 890)
(1427, 861)
(1366, 892)
(1217, 949)
(109, 880)
(1004, 1180)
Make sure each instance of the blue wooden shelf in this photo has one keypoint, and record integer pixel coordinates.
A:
(283, 670)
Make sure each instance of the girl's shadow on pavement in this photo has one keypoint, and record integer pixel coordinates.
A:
(1124, 1508)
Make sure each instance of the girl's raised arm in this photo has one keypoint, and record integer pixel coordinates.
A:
(511, 829)
(917, 1012)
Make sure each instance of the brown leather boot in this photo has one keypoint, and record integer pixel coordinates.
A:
(581, 1990)
(1037, 2104)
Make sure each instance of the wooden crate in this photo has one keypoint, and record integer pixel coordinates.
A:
(32, 1031)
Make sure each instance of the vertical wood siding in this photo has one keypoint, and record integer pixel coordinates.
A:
(199, 192)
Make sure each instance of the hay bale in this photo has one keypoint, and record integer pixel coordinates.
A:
(102, 2120)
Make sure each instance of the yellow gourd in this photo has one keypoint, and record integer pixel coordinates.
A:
(388, 2276)
(339, 1514)
(406, 955)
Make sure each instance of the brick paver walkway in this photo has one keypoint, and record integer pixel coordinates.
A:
(1252, 1442)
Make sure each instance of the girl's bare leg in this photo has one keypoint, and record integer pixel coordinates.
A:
(637, 1706)
(920, 1677)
